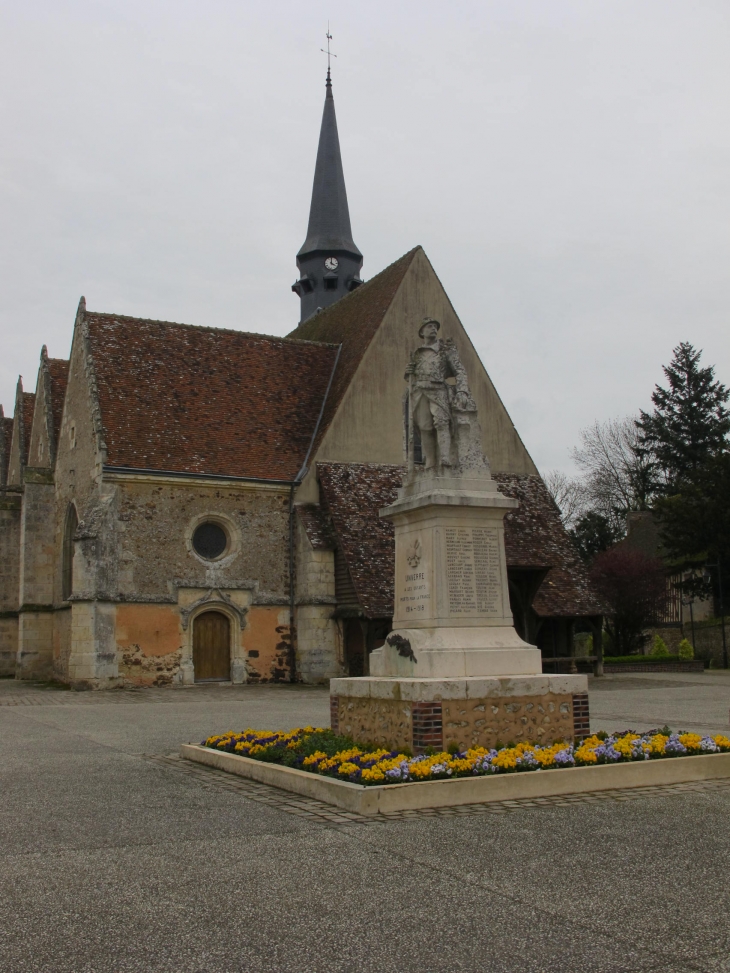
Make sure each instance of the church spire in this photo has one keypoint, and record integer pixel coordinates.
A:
(329, 262)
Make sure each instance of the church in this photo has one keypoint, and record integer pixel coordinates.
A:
(181, 503)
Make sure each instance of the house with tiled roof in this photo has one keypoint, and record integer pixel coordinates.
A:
(186, 503)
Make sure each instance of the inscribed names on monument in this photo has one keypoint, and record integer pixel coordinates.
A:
(473, 571)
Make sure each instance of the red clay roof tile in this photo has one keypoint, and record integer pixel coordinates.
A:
(27, 420)
(7, 439)
(58, 370)
(353, 493)
(180, 398)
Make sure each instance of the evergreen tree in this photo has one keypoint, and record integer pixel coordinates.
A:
(695, 524)
(592, 534)
(690, 421)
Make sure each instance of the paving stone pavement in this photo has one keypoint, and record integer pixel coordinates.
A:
(326, 814)
(120, 857)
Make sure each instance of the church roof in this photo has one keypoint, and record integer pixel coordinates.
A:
(329, 214)
(7, 437)
(198, 400)
(353, 323)
(28, 407)
(534, 537)
(58, 370)
(353, 493)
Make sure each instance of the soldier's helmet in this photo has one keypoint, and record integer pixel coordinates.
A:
(428, 321)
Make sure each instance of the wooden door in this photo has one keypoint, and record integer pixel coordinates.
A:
(212, 647)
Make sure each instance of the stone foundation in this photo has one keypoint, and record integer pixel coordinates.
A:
(418, 714)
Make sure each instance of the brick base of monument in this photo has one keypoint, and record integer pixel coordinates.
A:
(522, 710)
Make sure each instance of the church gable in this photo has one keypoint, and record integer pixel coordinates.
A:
(50, 394)
(6, 439)
(353, 323)
(22, 424)
(364, 419)
(185, 399)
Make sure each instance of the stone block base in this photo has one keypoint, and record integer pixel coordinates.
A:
(423, 713)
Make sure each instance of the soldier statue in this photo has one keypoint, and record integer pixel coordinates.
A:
(437, 408)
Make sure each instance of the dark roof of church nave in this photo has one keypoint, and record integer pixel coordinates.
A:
(27, 419)
(180, 398)
(7, 434)
(58, 370)
(353, 493)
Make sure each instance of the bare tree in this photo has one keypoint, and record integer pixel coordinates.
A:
(569, 495)
(617, 473)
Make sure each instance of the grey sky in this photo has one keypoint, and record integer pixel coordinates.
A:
(565, 166)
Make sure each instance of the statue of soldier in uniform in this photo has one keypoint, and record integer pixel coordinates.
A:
(437, 406)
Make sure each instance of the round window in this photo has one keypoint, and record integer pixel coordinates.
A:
(210, 541)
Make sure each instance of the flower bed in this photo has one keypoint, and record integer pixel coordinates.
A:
(320, 751)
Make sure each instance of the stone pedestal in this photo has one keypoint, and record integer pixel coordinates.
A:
(454, 670)
(451, 593)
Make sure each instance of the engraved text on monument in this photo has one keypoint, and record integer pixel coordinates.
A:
(473, 570)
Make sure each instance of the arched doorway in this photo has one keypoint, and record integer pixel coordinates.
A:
(212, 647)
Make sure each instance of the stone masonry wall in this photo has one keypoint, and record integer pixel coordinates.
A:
(9, 579)
(487, 722)
(464, 723)
(319, 642)
(37, 563)
(155, 522)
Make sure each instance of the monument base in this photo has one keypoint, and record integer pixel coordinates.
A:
(450, 651)
(418, 714)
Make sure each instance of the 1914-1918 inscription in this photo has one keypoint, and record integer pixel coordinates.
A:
(473, 570)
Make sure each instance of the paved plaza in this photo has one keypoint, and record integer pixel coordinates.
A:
(119, 857)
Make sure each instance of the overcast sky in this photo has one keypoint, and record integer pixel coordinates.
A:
(565, 166)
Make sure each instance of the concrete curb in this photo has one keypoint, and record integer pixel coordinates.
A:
(466, 790)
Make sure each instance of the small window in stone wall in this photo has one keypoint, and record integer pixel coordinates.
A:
(210, 541)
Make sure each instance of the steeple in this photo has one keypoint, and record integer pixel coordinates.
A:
(329, 262)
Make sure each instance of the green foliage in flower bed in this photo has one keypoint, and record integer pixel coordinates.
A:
(302, 748)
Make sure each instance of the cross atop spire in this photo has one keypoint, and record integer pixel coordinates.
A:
(329, 54)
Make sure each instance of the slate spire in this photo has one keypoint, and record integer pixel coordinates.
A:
(329, 262)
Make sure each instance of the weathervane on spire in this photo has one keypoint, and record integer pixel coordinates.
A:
(328, 52)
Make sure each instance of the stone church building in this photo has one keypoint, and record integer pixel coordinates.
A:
(183, 503)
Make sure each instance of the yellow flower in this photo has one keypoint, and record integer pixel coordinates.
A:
(691, 741)
(373, 773)
(656, 744)
(314, 758)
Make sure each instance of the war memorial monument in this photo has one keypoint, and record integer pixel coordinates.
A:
(453, 671)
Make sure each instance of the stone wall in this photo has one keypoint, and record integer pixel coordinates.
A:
(489, 722)
(707, 641)
(10, 509)
(155, 521)
(37, 568)
(319, 639)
